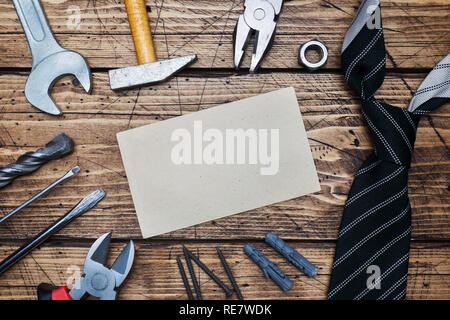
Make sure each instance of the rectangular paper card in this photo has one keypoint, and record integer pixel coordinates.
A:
(218, 162)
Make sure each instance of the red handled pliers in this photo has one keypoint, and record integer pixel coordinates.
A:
(98, 281)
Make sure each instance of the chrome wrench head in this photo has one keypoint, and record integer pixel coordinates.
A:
(50, 60)
(44, 75)
(259, 18)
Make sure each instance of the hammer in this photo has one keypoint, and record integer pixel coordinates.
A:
(149, 70)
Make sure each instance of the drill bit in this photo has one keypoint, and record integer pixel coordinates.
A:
(60, 146)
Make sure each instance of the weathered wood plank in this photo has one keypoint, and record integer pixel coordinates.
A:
(324, 98)
(417, 31)
(338, 138)
(417, 36)
(155, 273)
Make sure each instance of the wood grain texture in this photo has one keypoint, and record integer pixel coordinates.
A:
(337, 134)
(155, 274)
(417, 36)
(416, 31)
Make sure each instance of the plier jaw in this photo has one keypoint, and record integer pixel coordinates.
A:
(259, 18)
(98, 280)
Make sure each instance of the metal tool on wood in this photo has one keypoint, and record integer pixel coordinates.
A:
(314, 45)
(60, 146)
(149, 70)
(98, 280)
(192, 273)
(69, 174)
(230, 274)
(211, 274)
(50, 60)
(84, 205)
(184, 278)
(259, 18)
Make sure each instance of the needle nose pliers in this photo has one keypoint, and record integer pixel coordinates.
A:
(259, 17)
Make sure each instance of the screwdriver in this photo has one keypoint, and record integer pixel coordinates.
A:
(84, 205)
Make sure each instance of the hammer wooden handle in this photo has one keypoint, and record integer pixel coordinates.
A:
(140, 29)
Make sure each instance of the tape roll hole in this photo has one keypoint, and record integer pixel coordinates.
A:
(313, 55)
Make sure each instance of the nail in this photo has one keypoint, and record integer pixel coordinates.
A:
(230, 274)
(185, 280)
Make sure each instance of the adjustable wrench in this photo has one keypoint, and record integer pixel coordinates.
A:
(50, 60)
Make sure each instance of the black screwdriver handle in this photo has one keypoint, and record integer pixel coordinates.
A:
(84, 205)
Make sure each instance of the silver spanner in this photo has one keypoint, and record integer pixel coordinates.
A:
(50, 60)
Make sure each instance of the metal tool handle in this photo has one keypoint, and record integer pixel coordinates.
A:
(36, 241)
(140, 29)
(37, 30)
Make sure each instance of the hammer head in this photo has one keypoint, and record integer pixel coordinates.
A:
(44, 75)
(148, 73)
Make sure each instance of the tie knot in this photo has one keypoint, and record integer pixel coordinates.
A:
(393, 131)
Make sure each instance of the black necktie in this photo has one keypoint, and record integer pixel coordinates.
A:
(371, 259)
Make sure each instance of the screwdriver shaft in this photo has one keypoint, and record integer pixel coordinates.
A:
(84, 205)
(41, 193)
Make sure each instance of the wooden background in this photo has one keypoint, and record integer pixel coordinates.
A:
(417, 36)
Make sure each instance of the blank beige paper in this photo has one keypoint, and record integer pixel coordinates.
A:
(218, 162)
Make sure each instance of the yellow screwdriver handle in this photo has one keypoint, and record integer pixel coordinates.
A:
(140, 29)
